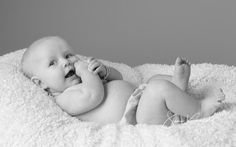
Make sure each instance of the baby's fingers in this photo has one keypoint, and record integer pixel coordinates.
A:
(98, 70)
(93, 66)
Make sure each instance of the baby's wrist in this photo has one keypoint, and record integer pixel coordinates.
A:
(107, 73)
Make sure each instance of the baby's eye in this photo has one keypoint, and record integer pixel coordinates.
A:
(68, 56)
(51, 63)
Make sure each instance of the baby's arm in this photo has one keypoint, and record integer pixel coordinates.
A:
(85, 96)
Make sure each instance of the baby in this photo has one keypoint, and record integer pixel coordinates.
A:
(91, 91)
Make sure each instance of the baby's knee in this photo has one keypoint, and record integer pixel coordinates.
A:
(159, 86)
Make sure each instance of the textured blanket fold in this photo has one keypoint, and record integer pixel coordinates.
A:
(29, 117)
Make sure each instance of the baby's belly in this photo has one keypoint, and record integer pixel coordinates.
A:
(111, 110)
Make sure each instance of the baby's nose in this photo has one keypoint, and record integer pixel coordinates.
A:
(65, 63)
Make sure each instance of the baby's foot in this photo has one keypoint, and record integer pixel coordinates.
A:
(211, 104)
(181, 73)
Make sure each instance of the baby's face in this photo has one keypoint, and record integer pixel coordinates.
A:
(53, 65)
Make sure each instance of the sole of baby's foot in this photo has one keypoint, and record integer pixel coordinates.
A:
(181, 73)
(211, 104)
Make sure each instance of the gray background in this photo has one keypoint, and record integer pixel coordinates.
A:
(129, 31)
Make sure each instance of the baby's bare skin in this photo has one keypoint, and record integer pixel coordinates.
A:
(112, 108)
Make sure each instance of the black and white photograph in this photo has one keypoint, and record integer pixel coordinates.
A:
(117, 73)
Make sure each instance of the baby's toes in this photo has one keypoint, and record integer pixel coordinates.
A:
(185, 61)
(188, 62)
(178, 61)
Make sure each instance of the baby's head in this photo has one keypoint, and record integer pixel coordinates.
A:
(49, 63)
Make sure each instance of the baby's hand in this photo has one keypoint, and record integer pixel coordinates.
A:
(97, 67)
(81, 67)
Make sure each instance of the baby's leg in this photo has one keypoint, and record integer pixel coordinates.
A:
(160, 77)
(181, 73)
(160, 96)
(211, 103)
(180, 76)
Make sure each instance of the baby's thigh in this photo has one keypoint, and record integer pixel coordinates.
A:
(151, 108)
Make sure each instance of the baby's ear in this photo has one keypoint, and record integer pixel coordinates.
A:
(35, 80)
(38, 82)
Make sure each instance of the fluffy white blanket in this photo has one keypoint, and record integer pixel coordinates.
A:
(29, 117)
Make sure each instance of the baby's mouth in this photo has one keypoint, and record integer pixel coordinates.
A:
(70, 73)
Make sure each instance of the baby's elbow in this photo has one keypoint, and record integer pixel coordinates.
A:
(96, 98)
(64, 105)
